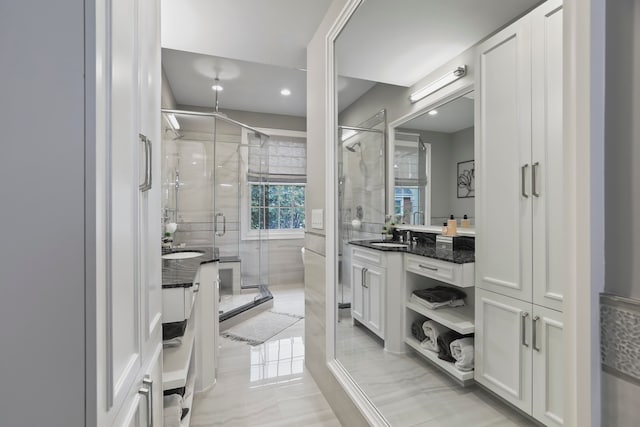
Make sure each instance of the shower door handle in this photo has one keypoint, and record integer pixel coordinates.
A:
(224, 224)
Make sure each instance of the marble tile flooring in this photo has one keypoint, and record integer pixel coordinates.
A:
(266, 385)
(409, 391)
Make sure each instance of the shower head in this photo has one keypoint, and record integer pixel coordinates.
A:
(352, 147)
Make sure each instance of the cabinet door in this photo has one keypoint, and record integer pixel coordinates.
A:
(548, 366)
(149, 201)
(374, 288)
(503, 347)
(357, 291)
(503, 163)
(122, 300)
(547, 155)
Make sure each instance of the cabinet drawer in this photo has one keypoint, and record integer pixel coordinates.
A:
(177, 303)
(369, 256)
(456, 274)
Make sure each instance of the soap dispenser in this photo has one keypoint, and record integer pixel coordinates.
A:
(465, 223)
(452, 226)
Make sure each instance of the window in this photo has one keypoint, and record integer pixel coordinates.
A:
(406, 204)
(277, 207)
(273, 185)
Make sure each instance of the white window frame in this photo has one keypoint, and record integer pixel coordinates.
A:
(246, 233)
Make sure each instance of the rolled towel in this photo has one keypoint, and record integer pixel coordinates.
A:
(462, 351)
(432, 331)
(444, 342)
(416, 330)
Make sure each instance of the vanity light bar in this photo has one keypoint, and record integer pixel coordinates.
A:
(438, 84)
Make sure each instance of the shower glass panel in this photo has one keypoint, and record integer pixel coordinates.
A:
(205, 190)
(410, 163)
(361, 194)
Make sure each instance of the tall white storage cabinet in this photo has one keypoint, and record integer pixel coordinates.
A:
(129, 324)
(519, 222)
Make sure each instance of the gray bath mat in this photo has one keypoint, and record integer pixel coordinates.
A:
(261, 327)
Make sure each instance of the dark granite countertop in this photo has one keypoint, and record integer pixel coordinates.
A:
(179, 273)
(426, 247)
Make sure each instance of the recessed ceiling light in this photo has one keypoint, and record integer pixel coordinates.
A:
(217, 87)
(433, 112)
(285, 92)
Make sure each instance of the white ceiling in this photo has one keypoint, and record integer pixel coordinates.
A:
(258, 47)
(452, 117)
(400, 41)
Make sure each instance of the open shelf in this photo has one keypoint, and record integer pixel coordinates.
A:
(176, 360)
(459, 319)
(448, 367)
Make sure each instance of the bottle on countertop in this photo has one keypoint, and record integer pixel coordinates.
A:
(445, 230)
(465, 223)
(452, 226)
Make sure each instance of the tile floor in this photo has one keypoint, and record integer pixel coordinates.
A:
(266, 385)
(409, 391)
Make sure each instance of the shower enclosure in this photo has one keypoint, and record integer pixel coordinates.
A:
(210, 163)
(361, 191)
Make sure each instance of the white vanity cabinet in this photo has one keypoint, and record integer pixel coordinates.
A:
(368, 287)
(519, 250)
(129, 292)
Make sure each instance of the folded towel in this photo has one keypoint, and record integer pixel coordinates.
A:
(172, 410)
(444, 345)
(462, 351)
(416, 330)
(173, 342)
(440, 294)
(432, 331)
(433, 306)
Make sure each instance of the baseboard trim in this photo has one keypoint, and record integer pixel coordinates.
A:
(357, 396)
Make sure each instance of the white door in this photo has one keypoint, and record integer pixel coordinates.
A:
(357, 291)
(548, 366)
(503, 163)
(547, 155)
(374, 288)
(503, 347)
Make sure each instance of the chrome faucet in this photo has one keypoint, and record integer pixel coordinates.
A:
(419, 214)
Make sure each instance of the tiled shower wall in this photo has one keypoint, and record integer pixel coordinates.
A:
(193, 156)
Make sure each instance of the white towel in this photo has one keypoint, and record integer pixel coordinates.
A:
(462, 351)
(432, 330)
(172, 411)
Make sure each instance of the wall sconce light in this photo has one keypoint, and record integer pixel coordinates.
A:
(438, 84)
(173, 121)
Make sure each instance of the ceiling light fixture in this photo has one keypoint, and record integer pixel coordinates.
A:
(433, 112)
(439, 83)
(217, 87)
(285, 92)
(173, 121)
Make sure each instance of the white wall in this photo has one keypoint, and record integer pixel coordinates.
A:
(42, 170)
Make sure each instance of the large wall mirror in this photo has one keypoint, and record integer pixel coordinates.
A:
(410, 163)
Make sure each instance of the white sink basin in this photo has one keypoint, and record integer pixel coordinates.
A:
(182, 255)
(389, 245)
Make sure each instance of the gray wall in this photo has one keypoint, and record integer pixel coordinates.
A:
(42, 168)
(461, 151)
(620, 404)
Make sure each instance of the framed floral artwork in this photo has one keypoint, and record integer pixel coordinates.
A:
(466, 179)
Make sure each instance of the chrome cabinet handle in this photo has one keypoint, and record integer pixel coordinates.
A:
(147, 391)
(523, 329)
(523, 178)
(196, 287)
(535, 333)
(145, 183)
(150, 163)
(427, 267)
(534, 180)
(364, 277)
